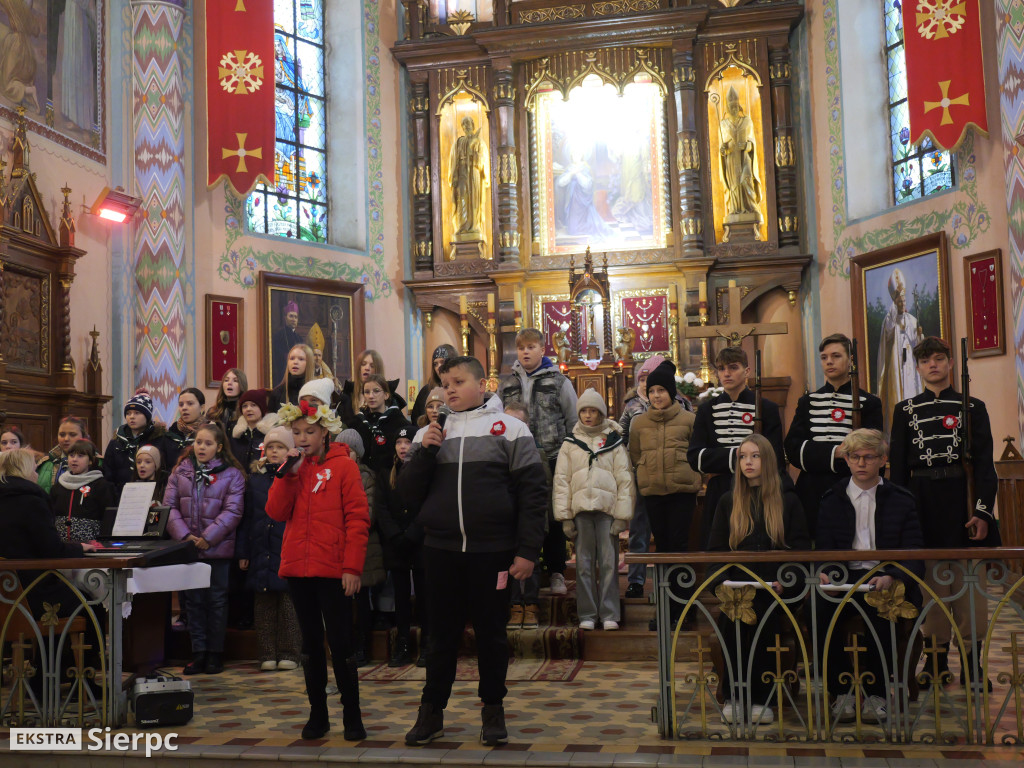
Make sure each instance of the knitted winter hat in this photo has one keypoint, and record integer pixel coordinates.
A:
(406, 433)
(649, 365)
(436, 395)
(443, 351)
(352, 439)
(590, 399)
(282, 435)
(142, 403)
(321, 389)
(663, 376)
(257, 397)
(153, 452)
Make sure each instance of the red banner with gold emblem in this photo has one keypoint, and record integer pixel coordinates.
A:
(945, 73)
(240, 92)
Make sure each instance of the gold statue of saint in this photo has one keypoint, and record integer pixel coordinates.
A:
(739, 158)
(468, 177)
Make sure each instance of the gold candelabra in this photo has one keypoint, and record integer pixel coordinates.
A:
(705, 364)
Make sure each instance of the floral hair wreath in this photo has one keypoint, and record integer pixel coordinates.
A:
(313, 414)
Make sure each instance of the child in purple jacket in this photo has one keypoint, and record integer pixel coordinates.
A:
(206, 493)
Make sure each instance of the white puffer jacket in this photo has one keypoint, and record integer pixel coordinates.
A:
(598, 480)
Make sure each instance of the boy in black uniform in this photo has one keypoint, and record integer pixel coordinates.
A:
(722, 424)
(823, 420)
(928, 458)
(482, 498)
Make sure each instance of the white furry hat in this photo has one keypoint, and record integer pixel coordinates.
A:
(321, 389)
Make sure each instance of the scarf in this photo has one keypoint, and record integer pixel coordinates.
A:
(74, 482)
(205, 474)
(373, 421)
(614, 441)
(186, 432)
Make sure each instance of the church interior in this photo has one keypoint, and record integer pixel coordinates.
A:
(633, 178)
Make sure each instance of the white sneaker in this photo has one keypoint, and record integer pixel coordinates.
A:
(874, 709)
(557, 584)
(287, 665)
(268, 666)
(610, 626)
(761, 714)
(843, 711)
(587, 624)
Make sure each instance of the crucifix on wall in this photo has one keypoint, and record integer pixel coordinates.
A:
(734, 332)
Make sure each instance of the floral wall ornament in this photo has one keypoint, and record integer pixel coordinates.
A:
(892, 603)
(737, 602)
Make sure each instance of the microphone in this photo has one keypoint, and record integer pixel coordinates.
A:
(284, 468)
(442, 417)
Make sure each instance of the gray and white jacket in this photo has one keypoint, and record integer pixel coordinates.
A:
(484, 489)
(550, 397)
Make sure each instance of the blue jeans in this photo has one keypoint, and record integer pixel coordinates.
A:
(208, 610)
(639, 539)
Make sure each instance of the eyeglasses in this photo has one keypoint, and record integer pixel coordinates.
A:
(863, 458)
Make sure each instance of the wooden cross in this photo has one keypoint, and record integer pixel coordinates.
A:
(734, 331)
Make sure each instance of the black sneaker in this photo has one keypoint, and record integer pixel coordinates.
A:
(493, 732)
(429, 726)
(214, 663)
(197, 666)
(634, 591)
(354, 730)
(400, 656)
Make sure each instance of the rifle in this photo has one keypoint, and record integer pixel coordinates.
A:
(967, 454)
(855, 408)
(757, 392)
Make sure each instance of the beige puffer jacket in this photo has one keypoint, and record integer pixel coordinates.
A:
(602, 485)
(658, 441)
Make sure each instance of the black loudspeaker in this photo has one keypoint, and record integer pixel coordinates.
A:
(161, 701)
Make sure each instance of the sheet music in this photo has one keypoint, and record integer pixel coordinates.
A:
(133, 511)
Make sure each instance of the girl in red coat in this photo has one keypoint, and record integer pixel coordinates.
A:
(321, 499)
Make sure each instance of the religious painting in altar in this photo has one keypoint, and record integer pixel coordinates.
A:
(553, 316)
(328, 315)
(51, 63)
(646, 312)
(26, 319)
(900, 295)
(736, 152)
(464, 138)
(296, 205)
(599, 163)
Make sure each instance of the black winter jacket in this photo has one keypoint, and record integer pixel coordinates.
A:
(896, 525)
(379, 432)
(119, 458)
(259, 536)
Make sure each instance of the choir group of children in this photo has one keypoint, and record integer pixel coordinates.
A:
(461, 508)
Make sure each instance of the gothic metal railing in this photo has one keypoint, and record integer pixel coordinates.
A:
(729, 643)
(55, 665)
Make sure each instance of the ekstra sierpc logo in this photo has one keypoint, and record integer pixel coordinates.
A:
(71, 740)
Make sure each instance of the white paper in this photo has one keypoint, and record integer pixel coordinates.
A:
(846, 587)
(133, 511)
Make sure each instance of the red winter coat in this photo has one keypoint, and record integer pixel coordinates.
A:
(326, 530)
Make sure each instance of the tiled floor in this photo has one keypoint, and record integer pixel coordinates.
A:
(600, 718)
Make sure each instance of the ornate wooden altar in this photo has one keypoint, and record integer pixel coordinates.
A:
(37, 268)
(657, 131)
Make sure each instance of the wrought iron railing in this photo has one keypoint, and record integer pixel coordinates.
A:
(721, 639)
(56, 668)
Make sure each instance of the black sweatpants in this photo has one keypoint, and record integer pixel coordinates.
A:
(320, 604)
(461, 586)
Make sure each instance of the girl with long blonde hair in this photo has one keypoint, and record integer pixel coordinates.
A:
(759, 514)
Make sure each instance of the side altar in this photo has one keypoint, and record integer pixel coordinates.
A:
(657, 135)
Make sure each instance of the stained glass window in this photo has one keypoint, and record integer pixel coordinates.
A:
(918, 170)
(296, 205)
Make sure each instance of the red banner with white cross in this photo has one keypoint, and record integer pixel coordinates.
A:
(240, 92)
(945, 72)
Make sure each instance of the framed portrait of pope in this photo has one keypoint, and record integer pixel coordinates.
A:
(900, 296)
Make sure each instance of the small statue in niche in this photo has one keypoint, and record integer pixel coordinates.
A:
(739, 159)
(627, 340)
(562, 348)
(468, 177)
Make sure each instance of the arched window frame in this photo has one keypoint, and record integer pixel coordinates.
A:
(921, 170)
(296, 206)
